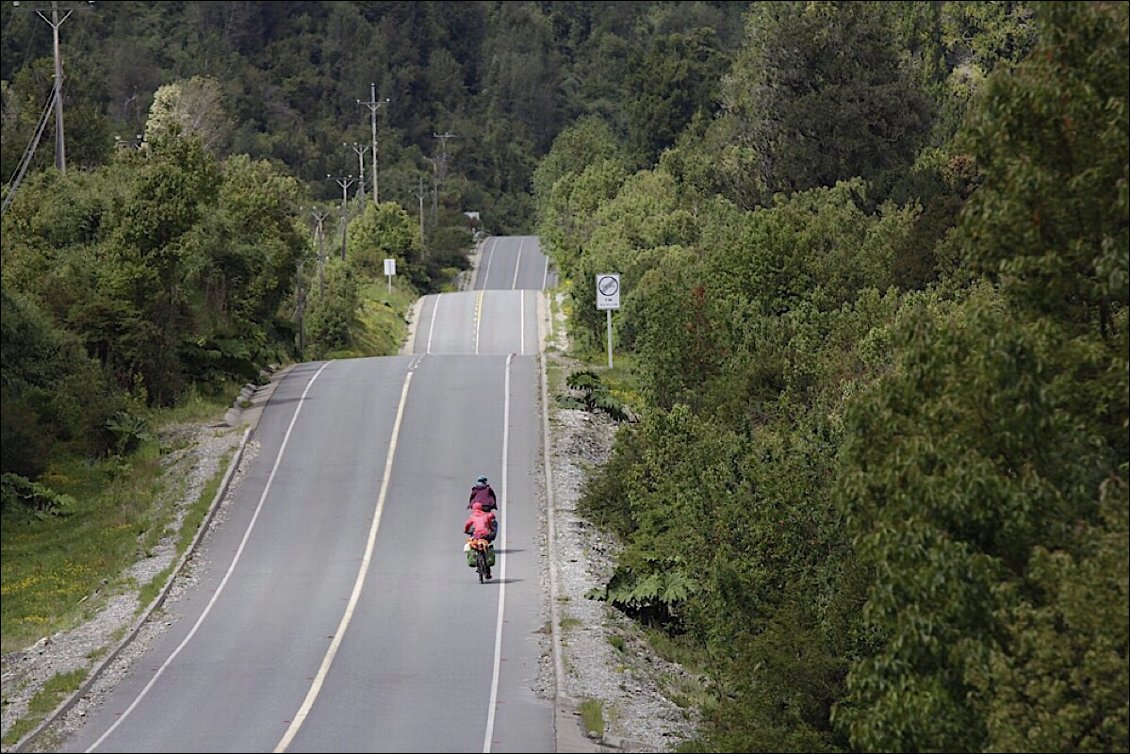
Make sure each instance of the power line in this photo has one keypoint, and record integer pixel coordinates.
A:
(55, 22)
(29, 153)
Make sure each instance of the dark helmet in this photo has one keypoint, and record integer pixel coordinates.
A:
(481, 480)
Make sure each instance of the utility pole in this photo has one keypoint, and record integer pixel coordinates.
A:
(420, 195)
(345, 183)
(55, 22)
(320, 237)
(300, 310)
(435, 185)
(373, 106)
(440, 169)
(443, 142)
(360, 150)
(443, 152)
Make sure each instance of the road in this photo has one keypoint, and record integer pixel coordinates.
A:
(336, 611)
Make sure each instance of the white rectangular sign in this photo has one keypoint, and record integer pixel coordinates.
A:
(390, 266)
(608, 291)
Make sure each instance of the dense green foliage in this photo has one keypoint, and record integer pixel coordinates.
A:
(878, 313)
(874, 288)
(181, 260)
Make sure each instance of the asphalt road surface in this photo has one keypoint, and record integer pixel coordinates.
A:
(337, 612)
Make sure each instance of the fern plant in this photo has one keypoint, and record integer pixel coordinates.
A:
(654, 597)
(26, 500)
(592, 395)
(129, 431)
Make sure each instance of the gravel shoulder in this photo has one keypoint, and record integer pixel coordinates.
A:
(604, 656)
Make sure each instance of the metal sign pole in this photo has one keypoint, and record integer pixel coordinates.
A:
(609, 313)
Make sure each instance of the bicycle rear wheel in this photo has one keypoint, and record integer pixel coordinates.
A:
(481, 564)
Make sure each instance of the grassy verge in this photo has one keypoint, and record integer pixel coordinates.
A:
(382, 321)
(592, 715)
(43, 703)
(57, 572)
(60, 571)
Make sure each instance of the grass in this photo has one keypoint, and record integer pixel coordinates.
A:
(688, 692)
(592, 715)
(49, 697)
(382, 323)
(50, 568)
(568, 622)
(57, 572)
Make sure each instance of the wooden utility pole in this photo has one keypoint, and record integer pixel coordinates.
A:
(360, 149)
(420, 195)
(373, 104)
(55, 22)
(345, 183)
(320, 237)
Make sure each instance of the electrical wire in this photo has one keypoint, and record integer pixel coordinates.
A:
(29, 152)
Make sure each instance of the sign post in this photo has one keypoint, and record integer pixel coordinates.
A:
(390, 270)
(608, 298)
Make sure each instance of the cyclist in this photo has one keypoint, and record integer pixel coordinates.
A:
(481, 492)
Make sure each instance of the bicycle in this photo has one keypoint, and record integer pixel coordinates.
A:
(482, 549)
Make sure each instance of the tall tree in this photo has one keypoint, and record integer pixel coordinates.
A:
(985, 475)
(674, 79)
(1052, 145)
(821, 95)
(191, 108)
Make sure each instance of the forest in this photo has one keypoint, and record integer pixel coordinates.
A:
(875, 274)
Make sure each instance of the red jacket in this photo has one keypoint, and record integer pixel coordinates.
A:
(481, 524)
(482, 493)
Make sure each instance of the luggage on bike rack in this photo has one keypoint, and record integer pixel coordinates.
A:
(469, 550)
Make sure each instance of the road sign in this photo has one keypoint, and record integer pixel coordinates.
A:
(390, 266)
(608, 291)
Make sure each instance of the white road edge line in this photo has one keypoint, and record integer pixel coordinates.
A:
(490, 258)
(478, 318)
(432, 327)
(502, 569)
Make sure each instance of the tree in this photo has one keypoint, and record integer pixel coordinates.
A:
(523, 71)
(190, 108)
(1050, 142)
(674, 80)
(51, 392)
(980, 473)
(330, 317)
(384, 231)
(821, 95)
